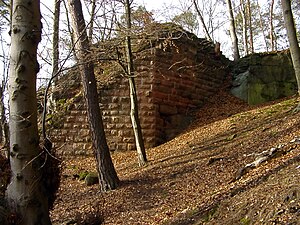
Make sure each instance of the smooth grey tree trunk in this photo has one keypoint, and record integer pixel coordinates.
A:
(292, 36)
(134, 114)
(108, 178)
(25, 193)
(232, 30)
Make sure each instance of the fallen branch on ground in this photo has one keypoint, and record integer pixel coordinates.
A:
(267, 155)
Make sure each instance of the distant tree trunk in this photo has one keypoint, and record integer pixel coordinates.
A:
(4, 122)
(245, 35)
(232, 30)
(55, 44)
(262, 26)
(207, 36)
(91, 28)
(55, 51)
(292, 36)
(25, 194)
(134, 114)
(69, 26)
(250, 26)
(272, 40)
(108, 178)
(55, 66)
(2, 115)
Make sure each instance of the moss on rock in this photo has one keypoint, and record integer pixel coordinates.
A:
(260, 78)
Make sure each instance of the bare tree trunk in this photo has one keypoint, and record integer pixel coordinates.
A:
(207, 36)
(2, 115)
(25, 193)
(272, 41)
(134, 114)
(250, 26)
(91, 28)
(292, 36)
(55, 51)
(108, 178)
(55, 44)
(69, 27)
(262, 26)
(55, 66)
(4, 123)
(245, 35)
(232, 30)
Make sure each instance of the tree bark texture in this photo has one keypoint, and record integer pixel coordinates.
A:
(55, 44)
(245, 33)
(272, 38)
(108, 178)
(134, 114)
(292, 36)
(232, 30)
(55, 64)
(25, 193)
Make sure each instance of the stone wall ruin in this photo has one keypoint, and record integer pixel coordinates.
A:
(175, 74)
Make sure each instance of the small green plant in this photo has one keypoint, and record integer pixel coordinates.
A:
(245, 221)
(231, 137)
(209, 215)
(271, 111)
(83, 174)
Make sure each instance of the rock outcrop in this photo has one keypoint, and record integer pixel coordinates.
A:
(263, 77)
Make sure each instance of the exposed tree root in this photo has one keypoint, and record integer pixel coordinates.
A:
(264, 156)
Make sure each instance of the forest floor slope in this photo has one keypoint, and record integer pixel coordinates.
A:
(193, 179)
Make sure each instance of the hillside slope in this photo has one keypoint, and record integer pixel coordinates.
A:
(191, 179)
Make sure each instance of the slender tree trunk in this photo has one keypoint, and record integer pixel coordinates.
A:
(250, 26)
(262, 26)
(134, 114)
(108, 178)
(25, 193)
(55, 44)
(91, 28)
(4, 123)
(2, 115)
(69, 26)
(245, 35)
(55, 51)
(207, 36)
(55, 67)
(292, 36)
(272, 41)
(232, 30)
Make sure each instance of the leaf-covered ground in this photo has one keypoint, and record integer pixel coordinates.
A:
(191, 179)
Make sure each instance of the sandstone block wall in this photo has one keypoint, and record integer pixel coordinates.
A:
(172, 80)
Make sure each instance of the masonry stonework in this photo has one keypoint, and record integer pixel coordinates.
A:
(172, 79)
